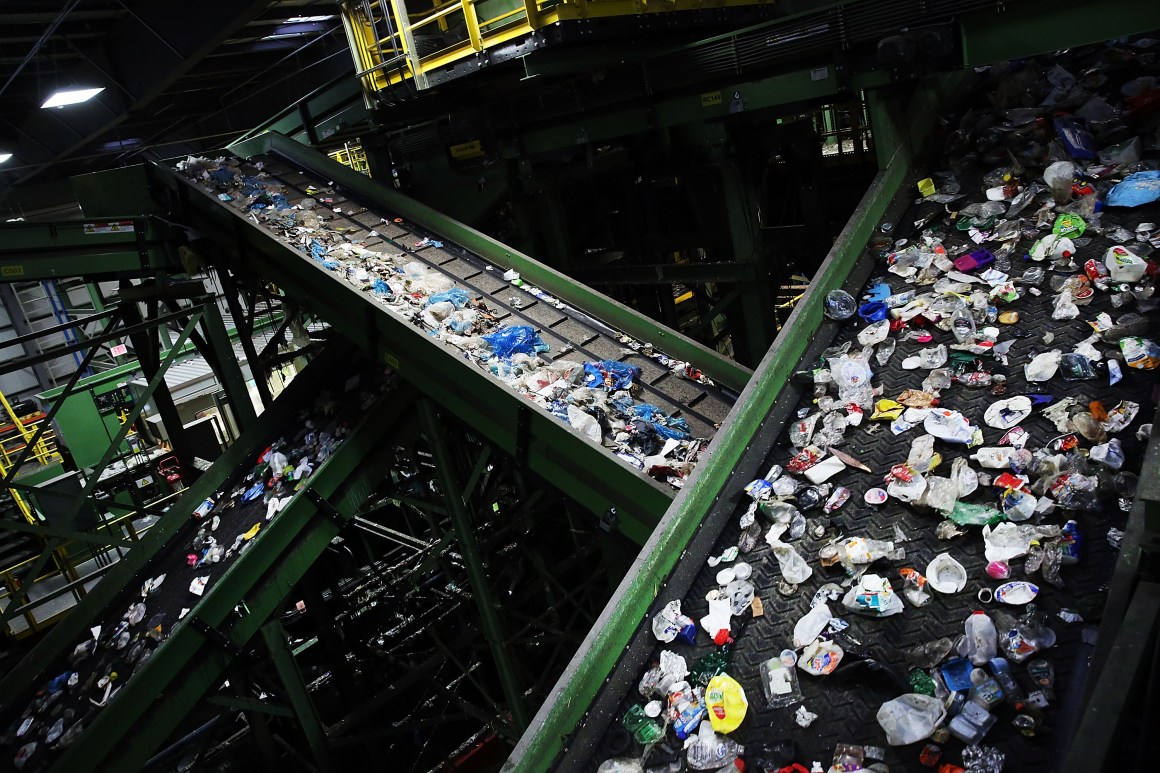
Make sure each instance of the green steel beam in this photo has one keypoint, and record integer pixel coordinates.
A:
(480, 584)
(295, 686)
(249, 704)
(724, 371)
(1040, 27)
(101, 539)
(233, 382)
(17, 598)
(1125, 672)
(46, 250)
(578, 467)
(189, 663)
(566, 705)
(812, 83)
(20, 682)
(666, 273)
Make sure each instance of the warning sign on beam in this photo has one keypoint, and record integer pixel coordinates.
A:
(111, 227)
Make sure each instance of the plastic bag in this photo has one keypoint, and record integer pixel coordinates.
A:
(811, 625)
(456, 296)
(910, 718)
(727, 704)
(515, 339)
(1135, 190)
(584, 423)
(794, 568)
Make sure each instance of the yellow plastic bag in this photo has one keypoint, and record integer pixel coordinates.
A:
(727, 703)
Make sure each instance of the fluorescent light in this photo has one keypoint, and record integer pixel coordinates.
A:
(303, 19)
(71, 97)
(4, 157)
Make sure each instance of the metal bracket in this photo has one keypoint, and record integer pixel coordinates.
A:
(216, 637)
(325, 507)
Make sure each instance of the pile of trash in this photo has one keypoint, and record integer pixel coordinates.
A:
(977, 432)
(599, 399)
(223, 526)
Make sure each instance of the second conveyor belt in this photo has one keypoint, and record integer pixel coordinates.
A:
(576, 323)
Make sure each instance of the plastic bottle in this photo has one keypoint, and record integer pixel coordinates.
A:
(839, 304)
(1001, 457)
(963, 325)
(981, 641)
(643, 729)
(1002, 671)
(711, 751)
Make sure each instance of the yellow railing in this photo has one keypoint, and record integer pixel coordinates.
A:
(382, 35)
(353, 156)
(122, 525)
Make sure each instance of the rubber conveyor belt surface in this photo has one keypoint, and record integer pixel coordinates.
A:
(301, 206)
(876, 665)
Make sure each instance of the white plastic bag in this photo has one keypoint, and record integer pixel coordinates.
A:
(910, 718)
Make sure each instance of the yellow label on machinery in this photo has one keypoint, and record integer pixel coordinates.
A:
(473, 149)
(11, 270)
(710, 98)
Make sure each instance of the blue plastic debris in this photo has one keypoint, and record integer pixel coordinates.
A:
(665, 425)
(1136, 189)
(610, 374)
(515, 339)
(456, 296)
(1078, 141)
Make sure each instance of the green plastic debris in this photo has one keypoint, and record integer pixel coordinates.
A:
(1069, 224)
(643, 729)
(966, 514)
(709, 666)
(920, 682)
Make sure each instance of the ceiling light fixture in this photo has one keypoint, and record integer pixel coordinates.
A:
(303, 19)
(4, 157)
(71, 97)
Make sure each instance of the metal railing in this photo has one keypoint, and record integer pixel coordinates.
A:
(119, 528)
(383, 36)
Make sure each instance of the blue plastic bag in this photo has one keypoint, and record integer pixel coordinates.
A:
(610, 374)
(380, 287)
(665, 425)
(254, 492)
(456, 296)
(1078, 141)
(516, 339)
(1136, 189)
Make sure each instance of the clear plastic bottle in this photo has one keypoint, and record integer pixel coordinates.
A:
(963, 325)
(711, 751)
(981, 642)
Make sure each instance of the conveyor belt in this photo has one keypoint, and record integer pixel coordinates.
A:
(592, 475)
(847, 701)
(570, 333)
(337, 389)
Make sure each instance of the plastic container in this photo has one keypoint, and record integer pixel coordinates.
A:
(981, 640)
(839, 305)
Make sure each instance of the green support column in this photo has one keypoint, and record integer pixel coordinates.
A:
(480, 589)
(233, 382)
(745, 231)
(296, 692)
(891, 131)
